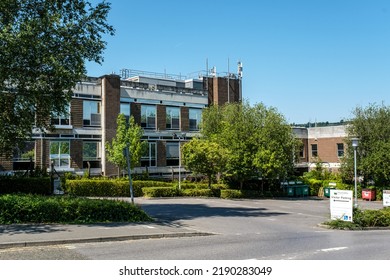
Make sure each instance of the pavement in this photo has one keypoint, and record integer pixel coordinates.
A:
(23, 235)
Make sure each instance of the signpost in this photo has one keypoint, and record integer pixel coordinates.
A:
(341, 205)
(386, 198)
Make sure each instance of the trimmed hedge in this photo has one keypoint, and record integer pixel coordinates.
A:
(31, 185)
(66, 209)
(201, 192)
(109, 188)
(160, 192)
(230, 193)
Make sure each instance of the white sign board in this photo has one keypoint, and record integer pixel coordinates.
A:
(386, 197)
(341, 205)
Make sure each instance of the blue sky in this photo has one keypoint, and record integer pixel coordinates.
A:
(314, 60)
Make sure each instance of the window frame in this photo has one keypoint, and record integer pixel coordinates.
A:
(170, 118)
(60, 157)
(87, 116)
(314, 152)
(148, 116)
(197, 119)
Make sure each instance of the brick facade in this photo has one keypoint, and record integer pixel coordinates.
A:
(76, 115)
(161, 117)
(76, 154)
(110, 110)
(184, 119)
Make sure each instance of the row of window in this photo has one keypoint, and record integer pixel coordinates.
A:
(92, 152)
(340, 150)
(92, 116)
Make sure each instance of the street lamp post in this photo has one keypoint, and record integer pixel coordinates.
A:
(355, 143)
(180, 137)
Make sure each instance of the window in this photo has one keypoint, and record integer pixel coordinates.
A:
(61, 119)
(23, 158)
(172, 154)
(148, 116)
(302, 151)
(314, 150)
(173, 118)
(60, 154)
(92, 154)
(125, 110)
(91, 113)
(195, 116)
(149, 158)
(340, 149)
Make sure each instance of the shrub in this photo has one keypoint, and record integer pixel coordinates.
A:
(230, 193)
(32, 185)
(160, 192)
(101, 188)
(364, 219)
(201, 192)
(66, 209)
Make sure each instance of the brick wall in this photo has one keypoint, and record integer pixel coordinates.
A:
(76, 114)
(161, 117)
(42, 158)
(5, 163)
(135, 109)
(76, 154)
(327, 149)
(110, 112)
(161, 153)
(184, 119)
(218, 90)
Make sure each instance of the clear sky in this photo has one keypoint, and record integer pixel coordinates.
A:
(314, 60)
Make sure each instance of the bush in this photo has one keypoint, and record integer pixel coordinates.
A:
(230, 193)
(201, 192)
(109, 187)
(160, 192)
(31, 185)
(66, 209)
(364, 219)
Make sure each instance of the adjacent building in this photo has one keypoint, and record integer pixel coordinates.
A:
(325, 144)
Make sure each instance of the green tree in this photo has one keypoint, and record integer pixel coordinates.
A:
(204, 157)
(258, 140)
(126, 134)
(44, 46)
(371, 125)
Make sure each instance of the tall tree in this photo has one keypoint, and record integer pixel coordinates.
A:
(204, 157)
(44, 45)
(127, 134)
(258, 140)
(371, 125)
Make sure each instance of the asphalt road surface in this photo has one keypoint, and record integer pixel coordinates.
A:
(280, 229)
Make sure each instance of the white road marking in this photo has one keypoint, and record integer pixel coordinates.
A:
(149, 227)
(334, 249)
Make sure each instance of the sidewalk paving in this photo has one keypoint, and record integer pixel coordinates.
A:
(53, 234)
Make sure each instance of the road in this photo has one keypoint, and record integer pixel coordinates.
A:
(280, 229)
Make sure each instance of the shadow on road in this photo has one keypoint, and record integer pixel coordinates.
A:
(174, 211)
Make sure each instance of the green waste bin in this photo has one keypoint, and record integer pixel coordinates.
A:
(327, 191)
(298, 191)
(290, 191)
(305, 190)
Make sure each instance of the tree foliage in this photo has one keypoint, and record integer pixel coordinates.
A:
(204, 157)
(258, 140)
(371, 125)
(44, 46)
(126, 134)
